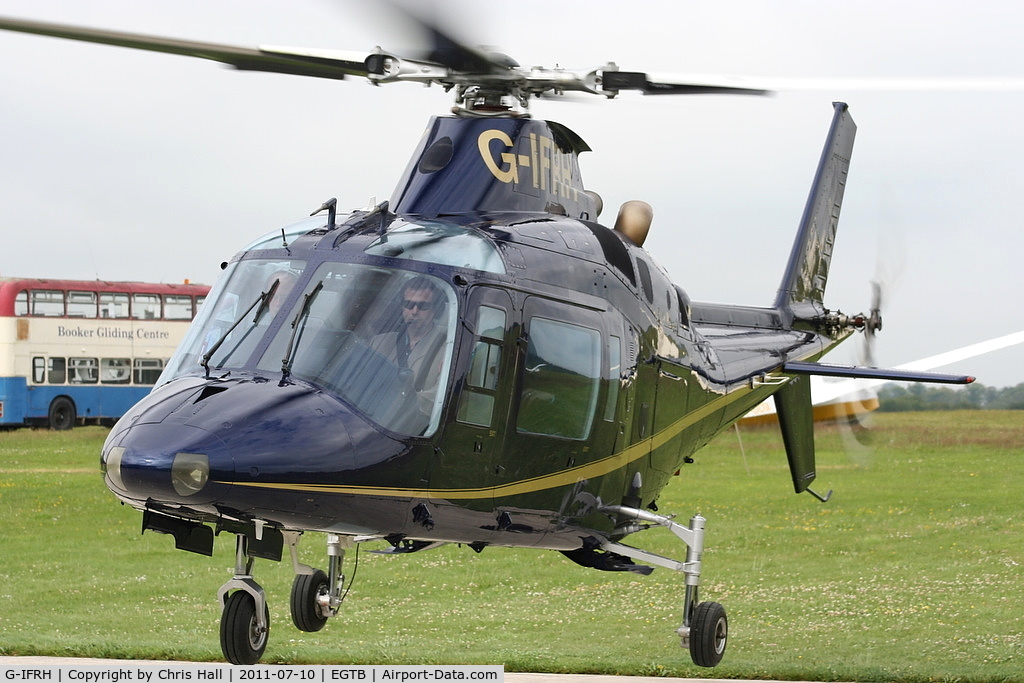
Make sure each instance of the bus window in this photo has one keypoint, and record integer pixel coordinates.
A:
(81, 304)
(145, 306)
(21, 303)
(177, 307)
(146, 370)
(115, 370)
(47, 302)
(56, 370)
(38, 370)
(82, 371)
(113, 305)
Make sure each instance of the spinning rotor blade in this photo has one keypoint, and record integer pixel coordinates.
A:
(614, 81)
(437, 44)
(873, 324)
(898, 84)
(463, 59)
(448, 51)
(335, 64)
(483, 79)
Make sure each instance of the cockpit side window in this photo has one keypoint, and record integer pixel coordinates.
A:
(476, 403)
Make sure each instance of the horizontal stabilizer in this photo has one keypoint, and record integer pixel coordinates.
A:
(857, 372)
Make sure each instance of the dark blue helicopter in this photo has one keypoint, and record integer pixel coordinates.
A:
(477, 361)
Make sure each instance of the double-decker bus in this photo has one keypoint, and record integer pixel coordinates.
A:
(77, 351)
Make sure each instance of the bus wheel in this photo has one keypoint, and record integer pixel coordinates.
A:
(62, 413)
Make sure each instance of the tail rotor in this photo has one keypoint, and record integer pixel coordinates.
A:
(872, 325)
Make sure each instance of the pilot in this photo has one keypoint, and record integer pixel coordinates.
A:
(415, 346)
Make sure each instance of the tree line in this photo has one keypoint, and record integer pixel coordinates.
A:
(899, 397)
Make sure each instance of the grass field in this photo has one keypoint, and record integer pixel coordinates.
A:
(914, 571)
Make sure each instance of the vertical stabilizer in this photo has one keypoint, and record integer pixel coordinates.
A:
(796, 418)
(803, 286)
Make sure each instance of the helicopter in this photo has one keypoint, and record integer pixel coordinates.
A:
(476, 361)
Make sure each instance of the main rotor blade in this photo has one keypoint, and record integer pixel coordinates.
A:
(443, 46)
(447, 51)
(321, 64)
(614, 81)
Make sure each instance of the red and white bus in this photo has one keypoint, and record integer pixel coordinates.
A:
(73, 351)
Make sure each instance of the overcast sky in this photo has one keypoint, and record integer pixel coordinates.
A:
(118, 164)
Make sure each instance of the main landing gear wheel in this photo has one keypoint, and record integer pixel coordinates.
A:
(709, 633)
(241, 639)
(309, 593)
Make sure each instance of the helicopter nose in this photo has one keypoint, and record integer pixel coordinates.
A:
(189, 443)
(167, 463)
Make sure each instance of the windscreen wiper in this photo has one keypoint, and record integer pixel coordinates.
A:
(263, 300)
(299, 323)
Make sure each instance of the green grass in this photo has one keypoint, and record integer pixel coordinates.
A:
(912, 572)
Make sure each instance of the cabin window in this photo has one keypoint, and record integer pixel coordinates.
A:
(476, 405)
(645, 280)
(684, 307)
(561, 379)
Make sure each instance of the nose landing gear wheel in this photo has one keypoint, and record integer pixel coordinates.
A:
(241, 639)
(307, 612)
(709, 633)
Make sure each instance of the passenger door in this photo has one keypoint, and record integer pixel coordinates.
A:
(556, 408)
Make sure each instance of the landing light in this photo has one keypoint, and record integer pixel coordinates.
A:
(111, 466)
(189, 473)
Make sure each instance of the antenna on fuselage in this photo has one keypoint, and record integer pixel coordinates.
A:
(332, 212)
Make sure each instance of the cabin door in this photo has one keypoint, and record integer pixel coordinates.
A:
(556, 408)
